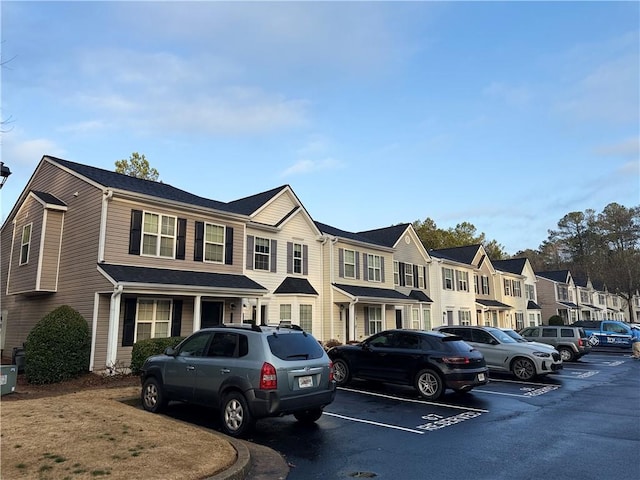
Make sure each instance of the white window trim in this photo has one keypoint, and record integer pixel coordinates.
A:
(256, 253)
(205, 243)
(372, 269)
(154, 319)
(26, 244)
(297, 260)
(345, 263)
(408, 274)
(159, 235)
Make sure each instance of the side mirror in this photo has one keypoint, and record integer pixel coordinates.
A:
(170, 351)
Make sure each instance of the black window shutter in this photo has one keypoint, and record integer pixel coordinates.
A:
(289, 257)
(357, 265)
(305, 260)
(415, 276)
(250, 243)
(401, 274)
(365, 267)
(135, 232)
(198, 247)
(424, 272)
(129, 323)
(228, 246)
(382, 269)
(181, 239)
(341, 262)
(176, 321)
(274, 255)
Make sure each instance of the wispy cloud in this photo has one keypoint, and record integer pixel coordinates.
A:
(304, 167)
(626, 148)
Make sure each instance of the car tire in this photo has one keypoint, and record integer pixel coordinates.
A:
(341, 372)
(523, 369)
(307, 417)
(235, 417)
(429, 384)
(153, 397)
(566, 354)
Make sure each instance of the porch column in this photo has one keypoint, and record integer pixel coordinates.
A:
(197, 312)
(114, 322)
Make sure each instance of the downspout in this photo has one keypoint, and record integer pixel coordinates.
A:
(334, 240)
(114, 321)
(103, 224)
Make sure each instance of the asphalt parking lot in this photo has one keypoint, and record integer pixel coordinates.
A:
(583, 422)
(580, 423)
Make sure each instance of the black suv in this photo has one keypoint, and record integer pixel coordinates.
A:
(246, 373)
(428, 361)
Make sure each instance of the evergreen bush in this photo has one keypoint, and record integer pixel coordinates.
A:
(146, 348)
(58, 348)
(556, 320)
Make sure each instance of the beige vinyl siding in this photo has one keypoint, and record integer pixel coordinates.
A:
(276, 210)
(23, 278)
(117, 238)
(78, 277)
(51, 250)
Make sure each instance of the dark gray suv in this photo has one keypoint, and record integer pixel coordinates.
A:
(246, 373)
(571, 342)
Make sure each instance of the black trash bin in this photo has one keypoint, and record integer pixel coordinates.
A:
(18, 358)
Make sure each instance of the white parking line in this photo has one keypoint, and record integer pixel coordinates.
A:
(411, 400)
(378, 424)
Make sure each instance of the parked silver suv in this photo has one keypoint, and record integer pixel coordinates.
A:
(504, 354)
(246, 373)
(571, 342)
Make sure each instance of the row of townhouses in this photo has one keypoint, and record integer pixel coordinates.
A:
(142, 259)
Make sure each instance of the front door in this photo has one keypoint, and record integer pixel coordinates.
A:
(398, 318)
(211, 314)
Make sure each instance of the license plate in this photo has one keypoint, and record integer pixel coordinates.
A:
(305, 382)
(481, 377)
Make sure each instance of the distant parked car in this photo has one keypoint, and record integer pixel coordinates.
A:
(429, 361)
(504, 354)
(520, 339)
(609, 333)
(246, 373)
(571, 342)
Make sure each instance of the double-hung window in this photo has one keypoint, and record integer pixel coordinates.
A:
(408, 274)
(530, 291)
(421, 281)
(349, 264)
(213, 243)
(153, 319)
(516, 287)
(375, 320)
(507, 286)
(285, 314)
(476, 285)
(262, 254)
(374, 268)
(306, 317)
(485, 285)
(463, 280)
(158, 235)
(447, 278)
(25, 244)
(396, 272)
(297, 258)
(464, 317)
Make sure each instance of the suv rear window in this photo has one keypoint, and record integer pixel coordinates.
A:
(294, 346)
(566, 332)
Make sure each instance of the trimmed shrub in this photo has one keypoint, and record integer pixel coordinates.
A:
(556, 320)
(58, 348)
(146, 348)
(331, 343)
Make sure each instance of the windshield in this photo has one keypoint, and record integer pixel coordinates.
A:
(516, 336)
(500, 335)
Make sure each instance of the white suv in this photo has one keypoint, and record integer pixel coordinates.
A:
(504, 354)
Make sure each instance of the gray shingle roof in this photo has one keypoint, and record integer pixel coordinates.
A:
(512, 265)
(373, 292)
(250, 204)
(387, 236)
(457, 254)
(336, 232)
(48, 198)
(560, 276)
(298, 286)
(161, 276)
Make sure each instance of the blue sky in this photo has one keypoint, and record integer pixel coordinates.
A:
(505, 115)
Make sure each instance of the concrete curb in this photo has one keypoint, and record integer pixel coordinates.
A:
(240, 469)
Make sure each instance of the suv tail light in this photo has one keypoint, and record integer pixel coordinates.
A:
(456, 360)
(330, 372)
(580, 344)
(268, 377)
